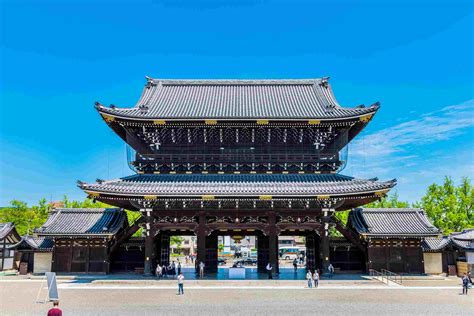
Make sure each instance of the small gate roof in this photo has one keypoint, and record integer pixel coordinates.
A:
(83, 222)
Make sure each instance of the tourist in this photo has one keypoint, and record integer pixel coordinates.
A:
(55, 311)
(170, 269)
(186, 259)
(295, 265)
(465, 284)
(159, 270)
(301, 258)
(316, 278)
(269, 270)
(201, 269)
(309, 277)
(180, 283)
(164, 271)
(331, 270)
(173, 269)
(179, 267)
(192, 258)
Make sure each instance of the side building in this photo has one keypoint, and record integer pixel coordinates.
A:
(8, 237)
(83, 238)
(393, 237)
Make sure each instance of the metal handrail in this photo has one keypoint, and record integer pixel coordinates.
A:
(392, 276)
(376, 274)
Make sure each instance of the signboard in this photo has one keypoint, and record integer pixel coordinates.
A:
(52, 286)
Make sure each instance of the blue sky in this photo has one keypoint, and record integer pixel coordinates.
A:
(58, 57)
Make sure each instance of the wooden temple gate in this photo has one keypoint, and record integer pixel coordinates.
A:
(266, 226)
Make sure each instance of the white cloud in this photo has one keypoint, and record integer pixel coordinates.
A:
(428, 128)
(403, 150)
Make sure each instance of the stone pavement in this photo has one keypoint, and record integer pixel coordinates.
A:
(250, 297)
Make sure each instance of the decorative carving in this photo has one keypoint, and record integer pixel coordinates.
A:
(286, 219)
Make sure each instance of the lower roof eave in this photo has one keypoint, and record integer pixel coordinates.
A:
(386, 236)
(157, 195)
(74, 235)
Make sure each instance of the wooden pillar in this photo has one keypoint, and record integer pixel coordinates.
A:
(4, 247)
(201, 240)
(324, 245)
(273, 242)
(311, 251)
(211, 253)
(262, 253)
(149, 238)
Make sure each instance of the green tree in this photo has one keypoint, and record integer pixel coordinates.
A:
(177, 241)
(25, 218)
(450, 207)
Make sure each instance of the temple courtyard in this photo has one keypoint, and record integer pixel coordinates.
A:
(344, 295)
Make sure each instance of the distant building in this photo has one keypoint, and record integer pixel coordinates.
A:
(8, 237)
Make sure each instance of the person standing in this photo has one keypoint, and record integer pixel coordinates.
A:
(295, 265)
(465, 284)
(201, 269)
(55, 311)
(331, 270)
(269, 270)
(164, 271)
(179, 267)
(180, 284)
(173, 269)
(309, 277)
(158, 271)
(316, 278)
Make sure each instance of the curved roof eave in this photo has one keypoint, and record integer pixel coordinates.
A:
(116, 114)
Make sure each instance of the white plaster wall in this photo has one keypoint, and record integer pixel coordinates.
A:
(470, 257)
(433, 262)
(42, 262)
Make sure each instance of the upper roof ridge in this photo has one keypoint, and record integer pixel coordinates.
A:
(306, 81)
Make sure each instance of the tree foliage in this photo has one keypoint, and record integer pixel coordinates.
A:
(450, 207)
(27, 218)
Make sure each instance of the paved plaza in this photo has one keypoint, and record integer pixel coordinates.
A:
(136, 296)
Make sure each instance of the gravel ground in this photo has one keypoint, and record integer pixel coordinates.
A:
(17, 298)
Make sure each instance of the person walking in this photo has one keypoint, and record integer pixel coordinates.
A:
(331, 270)
(158, 271)
(269, 270)
(295, 265)
(309, 277)
(55, 311)
(316, 278)
(201, 269)
(465, 284)
(180, 284)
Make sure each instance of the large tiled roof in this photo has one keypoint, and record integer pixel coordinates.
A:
(465, 235)
(387, 222)
(83, 221)
(435, 244)
(463, 240)
(8, 231)
(238, 99)
(40, 244)
(237, 185)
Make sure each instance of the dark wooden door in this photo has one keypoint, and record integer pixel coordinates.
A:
(62, 259)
